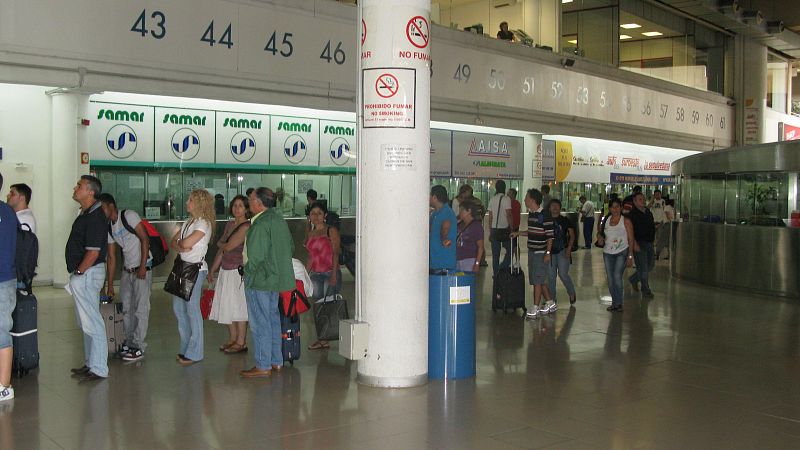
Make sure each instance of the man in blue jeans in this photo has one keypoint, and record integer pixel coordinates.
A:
(268, 270)
(8, 293)
(86, 256)
(500, 222)
(644, 231)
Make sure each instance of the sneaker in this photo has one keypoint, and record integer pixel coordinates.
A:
(124, 351)
(7, 393)
(533, 313)
(134, 354)
(550, 307)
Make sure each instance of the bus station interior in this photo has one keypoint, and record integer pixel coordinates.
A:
(591, 98)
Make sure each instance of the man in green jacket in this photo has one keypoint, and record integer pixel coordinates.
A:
(268, 270)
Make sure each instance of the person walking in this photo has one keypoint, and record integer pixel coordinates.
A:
(324, 244)
(85, 256)
(191, 242)
(644, 230)
(229, 306)
(500, 221)
(136, 281)
(561, 252)
(469, 239)
(540, 241)
(618, 248)
(268, 271)
(587, 218)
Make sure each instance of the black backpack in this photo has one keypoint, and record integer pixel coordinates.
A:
(27, 257)
(332, 219)
(561, 237)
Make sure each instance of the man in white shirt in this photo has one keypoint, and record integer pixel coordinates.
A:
(657, 205)
(19, 196)
(500, 221)
(587, 217)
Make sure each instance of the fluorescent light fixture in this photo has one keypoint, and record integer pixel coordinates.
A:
(574, 41)
(566, 1)
(652, 33)
(624, 36)
(629, 26)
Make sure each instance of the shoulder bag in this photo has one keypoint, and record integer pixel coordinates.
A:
(182, 278)
(500, 234)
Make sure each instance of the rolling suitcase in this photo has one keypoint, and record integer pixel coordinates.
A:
(24, 333)
(290, 338)
(508, 290)
(112, 316)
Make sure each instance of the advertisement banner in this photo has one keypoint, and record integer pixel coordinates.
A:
(337, 146)
(478, 155)
(242, 138)
(294, 141)
(627, 178)
(441, 152)
(788, 132)
(184, 135)
(120, 132)
(588, 160)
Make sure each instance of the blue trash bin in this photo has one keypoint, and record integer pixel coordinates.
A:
(451, 325)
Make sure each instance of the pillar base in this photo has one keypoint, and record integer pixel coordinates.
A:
(392, 382)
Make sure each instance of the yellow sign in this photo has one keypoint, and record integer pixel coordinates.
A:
(563, 160)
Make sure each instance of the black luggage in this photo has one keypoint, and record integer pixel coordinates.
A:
(290, 338)
(24, 333)
(327, 314)
(508, 289)
(112, 316)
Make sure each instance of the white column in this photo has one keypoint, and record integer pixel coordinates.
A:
(750, 109)
(68, 137)
(394, 187)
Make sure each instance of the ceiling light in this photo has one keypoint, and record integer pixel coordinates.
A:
(574, 41)
(628, 26)
(652, 33)
(566, 1)
(624, 36)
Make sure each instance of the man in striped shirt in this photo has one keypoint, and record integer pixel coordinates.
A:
(540, 241)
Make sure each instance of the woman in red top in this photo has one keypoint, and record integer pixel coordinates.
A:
(323, 243)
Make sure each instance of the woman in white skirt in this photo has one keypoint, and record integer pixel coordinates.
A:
(229, 306)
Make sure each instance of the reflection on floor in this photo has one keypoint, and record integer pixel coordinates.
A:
(696, 367)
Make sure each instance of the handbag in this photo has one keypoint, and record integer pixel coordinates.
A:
(328, 311)
(295, 302)
(182, 279)
(206, 302)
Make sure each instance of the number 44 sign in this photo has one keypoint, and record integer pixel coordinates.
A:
(390, 97)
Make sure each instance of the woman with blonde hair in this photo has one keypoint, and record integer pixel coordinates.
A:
(191, 242)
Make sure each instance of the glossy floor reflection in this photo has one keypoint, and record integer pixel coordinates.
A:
(696, 367)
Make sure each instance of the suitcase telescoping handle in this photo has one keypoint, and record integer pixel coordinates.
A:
(514, 255)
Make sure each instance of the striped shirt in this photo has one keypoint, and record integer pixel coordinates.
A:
(540, 230)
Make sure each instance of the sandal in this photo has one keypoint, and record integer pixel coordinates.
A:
(319, 345)
(226, 346)
(236, 348)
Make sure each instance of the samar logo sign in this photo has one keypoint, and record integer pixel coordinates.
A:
(243, 146)
(295, 149)
(340, 151)
(121, 141)
(185, 144)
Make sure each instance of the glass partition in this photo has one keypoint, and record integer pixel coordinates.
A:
(161, 194)
(765, 199)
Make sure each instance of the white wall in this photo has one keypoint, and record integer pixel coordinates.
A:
(771, 120)
(25, 124)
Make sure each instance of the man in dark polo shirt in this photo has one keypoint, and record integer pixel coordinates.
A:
(86, 254)
(644, 231)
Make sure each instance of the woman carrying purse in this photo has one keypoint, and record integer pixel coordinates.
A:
(323, 243)
(191, 242)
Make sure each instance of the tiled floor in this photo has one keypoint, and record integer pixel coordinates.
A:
(696, 367)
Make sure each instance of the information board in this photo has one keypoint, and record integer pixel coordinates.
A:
(120, 132)
(337, 146)
(477, 155)
(242, 138)
(184, 135)
(294, 141)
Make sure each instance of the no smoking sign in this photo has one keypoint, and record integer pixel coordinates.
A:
(389, 97)
(417, 32)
